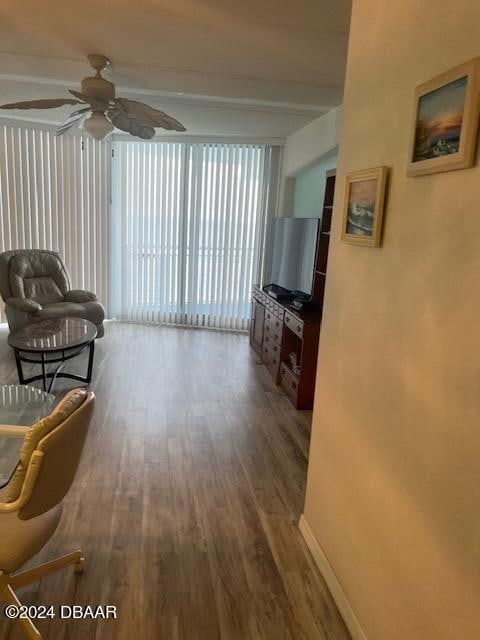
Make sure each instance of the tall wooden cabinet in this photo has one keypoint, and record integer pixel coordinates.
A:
(287, 340)
(323, 240)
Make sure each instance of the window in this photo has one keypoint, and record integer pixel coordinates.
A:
(54, 194)
(182, 241)
(188, 230)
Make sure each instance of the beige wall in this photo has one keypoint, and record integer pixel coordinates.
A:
(393, 493)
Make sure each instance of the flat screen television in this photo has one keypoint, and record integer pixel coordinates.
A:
(293, 256)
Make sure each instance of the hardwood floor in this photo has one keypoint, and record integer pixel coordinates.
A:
(187, 499)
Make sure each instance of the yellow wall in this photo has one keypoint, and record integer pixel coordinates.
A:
(393, 493)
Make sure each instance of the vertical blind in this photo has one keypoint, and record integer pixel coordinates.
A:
(182, 241)
(55, 194)
(190, 222)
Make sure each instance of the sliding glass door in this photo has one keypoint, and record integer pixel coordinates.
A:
(188, 228)
(182, 240)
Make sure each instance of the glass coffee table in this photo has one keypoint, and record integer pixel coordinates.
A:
(53, 342)
(20, 407)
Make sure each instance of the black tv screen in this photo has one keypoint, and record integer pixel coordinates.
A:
(293, 257)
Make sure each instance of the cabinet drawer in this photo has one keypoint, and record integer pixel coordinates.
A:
(278, 311)
(294, 324)
(273, 327)
(271, 357)
(270, 346)
(289, 383)
(273, 320)
(274, 332)
(257, 294)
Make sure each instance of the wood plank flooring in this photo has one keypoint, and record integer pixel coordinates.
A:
(187, 499)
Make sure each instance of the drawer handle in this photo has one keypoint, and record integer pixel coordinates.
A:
(287, 319)
(275, 348)
(294, 385)
(267, 338)
(276, 337)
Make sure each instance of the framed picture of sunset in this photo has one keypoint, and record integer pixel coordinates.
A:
(363, 206)
(444, 128)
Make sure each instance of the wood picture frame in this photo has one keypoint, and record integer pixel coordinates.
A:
(445, 121)
(363, 206)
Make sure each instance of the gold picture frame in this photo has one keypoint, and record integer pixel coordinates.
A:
(363, 206)
(445, 121)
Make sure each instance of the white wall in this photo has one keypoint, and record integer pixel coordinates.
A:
(308, 146)
(309, 189)
(311, 143)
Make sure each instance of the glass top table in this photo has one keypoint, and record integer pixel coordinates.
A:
(53, 335)
(20, 407)
(53, 342)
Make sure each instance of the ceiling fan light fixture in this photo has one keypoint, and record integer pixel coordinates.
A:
(98, 126)
(97, 98)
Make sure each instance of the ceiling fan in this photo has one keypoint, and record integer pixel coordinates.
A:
(103, 111)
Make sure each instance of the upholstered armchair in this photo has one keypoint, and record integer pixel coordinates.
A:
(35, 285)
(31, 502)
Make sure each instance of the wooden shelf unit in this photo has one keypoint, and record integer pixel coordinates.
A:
(286, 340)
(323, 241)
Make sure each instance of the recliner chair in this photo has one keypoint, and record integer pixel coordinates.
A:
(35, 285)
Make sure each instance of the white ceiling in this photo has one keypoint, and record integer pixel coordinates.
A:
(250, 68)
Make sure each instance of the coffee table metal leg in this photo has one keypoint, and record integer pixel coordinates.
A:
(54, 375)
(57, 373)
(44, 373)
(90, 361)
(18, 361)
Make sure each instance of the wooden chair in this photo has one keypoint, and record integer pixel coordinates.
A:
(31, 502)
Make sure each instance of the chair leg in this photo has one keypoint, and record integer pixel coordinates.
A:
(8, 596)
(8, 583)
(37, 573)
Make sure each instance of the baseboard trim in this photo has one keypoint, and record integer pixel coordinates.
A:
(333, 584)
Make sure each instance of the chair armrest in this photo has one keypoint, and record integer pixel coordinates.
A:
(79, 295)
(26, 305)
(13, 430)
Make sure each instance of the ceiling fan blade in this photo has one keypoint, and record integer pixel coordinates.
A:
(146, 133)
(148, 115)
(120, 120)
(74, 116)
(131, 125)
(73, 120)
(97, 105)
(40, 104)
(72, 125)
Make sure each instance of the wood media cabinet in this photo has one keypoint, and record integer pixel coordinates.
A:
(287, 343)
(286, 340)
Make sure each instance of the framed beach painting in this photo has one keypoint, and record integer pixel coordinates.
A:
(444, 128)
(363, 206)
